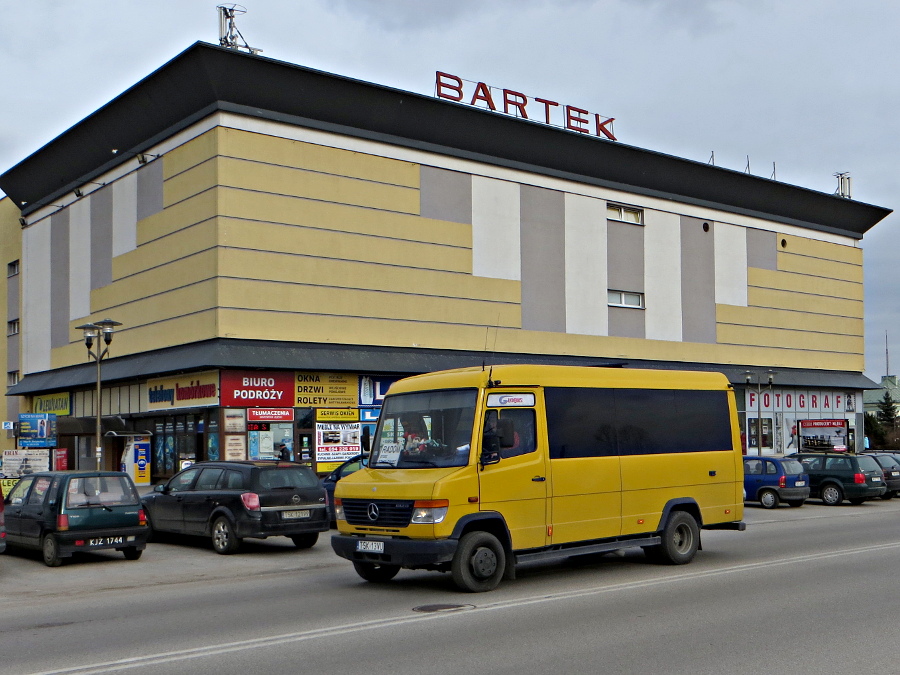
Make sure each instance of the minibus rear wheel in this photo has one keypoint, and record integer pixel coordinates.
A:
(680, 540)
(479, 562)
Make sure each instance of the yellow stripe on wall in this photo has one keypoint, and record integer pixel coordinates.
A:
(816, 304)
(800, 283)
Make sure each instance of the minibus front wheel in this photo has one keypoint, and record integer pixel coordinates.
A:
(680, 540)
(479, 562)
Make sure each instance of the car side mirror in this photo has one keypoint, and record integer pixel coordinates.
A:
(159, 488)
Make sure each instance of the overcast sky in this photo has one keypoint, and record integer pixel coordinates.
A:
(808, 87)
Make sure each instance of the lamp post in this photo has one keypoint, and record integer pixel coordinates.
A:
(748, 376)
(92, 331)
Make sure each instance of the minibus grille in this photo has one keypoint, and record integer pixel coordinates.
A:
(379, 512)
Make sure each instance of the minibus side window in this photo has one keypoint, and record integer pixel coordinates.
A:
(510, 431)
(581, 422)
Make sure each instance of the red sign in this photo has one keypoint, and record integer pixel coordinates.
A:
(60, 459)
(270, 415)
(247, 388)
(515, 103)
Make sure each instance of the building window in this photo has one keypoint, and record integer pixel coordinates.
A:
(12, 269)
(624, 213)
(12, 378)
(625, 299)
(12, 327)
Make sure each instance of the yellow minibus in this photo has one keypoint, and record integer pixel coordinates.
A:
(473, 471)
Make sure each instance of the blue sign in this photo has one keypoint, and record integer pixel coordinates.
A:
(372, 389)
(37, 430)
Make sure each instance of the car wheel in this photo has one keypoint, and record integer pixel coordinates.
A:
(224, 540)
(50, 551)
(375, 573)
(888, 495)
(305, 540)
(680, 540)
(479, 562)
(832, 495)
(796, 502)
(132, 553)
(856, 501)
(768, 499)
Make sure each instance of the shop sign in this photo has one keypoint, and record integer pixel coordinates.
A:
(184, 391)
(326, 390)
(37, 430)
(57, 404)
(369, 414)
(235, 420)
(18, 463)
(373, 388)
(270, 415)
(794, 400)
(514, 103)
(324, 414)
(255, 388)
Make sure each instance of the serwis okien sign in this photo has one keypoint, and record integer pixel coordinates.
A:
(515, 103)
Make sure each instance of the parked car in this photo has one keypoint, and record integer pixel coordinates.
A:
(231, 500)
(890, 467)
(772, 480)
(330, 481)
(835, 476)
(63, 512)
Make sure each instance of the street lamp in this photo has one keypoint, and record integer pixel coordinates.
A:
(748, 376)
(92, 331)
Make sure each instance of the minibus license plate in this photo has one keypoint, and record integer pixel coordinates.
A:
(104, 541)
(370, 546)
(289, 515)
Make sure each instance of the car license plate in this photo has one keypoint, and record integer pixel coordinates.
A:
(370, 546)
(895, 473)
(876, 479)
(800, 483)
(288, 515)
(105, 541)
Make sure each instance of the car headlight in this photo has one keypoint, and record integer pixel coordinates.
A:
(429, 512)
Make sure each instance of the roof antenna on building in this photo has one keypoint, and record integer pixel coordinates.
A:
(844, 182)
(712, 158)
(747, 170)
(887, 356)
(228, 31)
(773, 171)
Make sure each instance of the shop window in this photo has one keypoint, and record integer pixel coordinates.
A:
(12, 327)
(12, 269)
(625, 299)
(625, 214)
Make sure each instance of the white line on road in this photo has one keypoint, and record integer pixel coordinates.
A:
(255, 643)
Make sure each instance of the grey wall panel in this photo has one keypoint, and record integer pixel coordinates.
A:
(625, 257)
(101, 237)
(150, 189)
(445, 195)
(762, 249)
(698, 280)
(59, 278)
(13, 308)
(625, 322)
(13, 343)
(543, 232)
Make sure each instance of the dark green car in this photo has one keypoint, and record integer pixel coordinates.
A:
(835, 476)
(63, 512)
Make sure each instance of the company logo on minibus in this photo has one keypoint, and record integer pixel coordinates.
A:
(510, 400)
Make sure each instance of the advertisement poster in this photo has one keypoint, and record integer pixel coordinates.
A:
(235, 421)
(37, 430)
(235, 448)
(336, 443)
(60, 459)
(18, 463)
(823, 435)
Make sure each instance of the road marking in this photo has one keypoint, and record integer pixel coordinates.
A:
(301, 636)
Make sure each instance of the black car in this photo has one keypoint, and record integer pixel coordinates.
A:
(345, 469)
(835, 476)
(890, 466)
(231, 500)
(64, 512)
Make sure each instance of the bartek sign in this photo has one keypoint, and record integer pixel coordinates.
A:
(514, 103)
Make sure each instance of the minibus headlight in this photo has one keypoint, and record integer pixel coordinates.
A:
(338, 509)
(430, 512)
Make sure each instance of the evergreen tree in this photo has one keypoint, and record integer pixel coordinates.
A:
(887, 411)
(874, 431)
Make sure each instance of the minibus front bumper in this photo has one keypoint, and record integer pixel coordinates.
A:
(409, 553)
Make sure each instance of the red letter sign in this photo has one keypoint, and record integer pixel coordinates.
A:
(441, 85)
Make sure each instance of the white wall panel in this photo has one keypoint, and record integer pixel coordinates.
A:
(80, 259)
(35, 323)
(124, 214)
(662, 276)
(731, 264)
(496, 239)
(586, 273)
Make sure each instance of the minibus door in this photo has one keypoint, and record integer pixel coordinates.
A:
(515, 481)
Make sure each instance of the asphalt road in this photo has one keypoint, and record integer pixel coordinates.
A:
(806, 590)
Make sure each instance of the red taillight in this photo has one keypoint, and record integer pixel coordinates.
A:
(326, 499)
(62, 522)
(782, 482)
(859, 478)
(142, 517)
(251, 501)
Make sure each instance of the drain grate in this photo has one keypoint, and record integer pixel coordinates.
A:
(442, 608)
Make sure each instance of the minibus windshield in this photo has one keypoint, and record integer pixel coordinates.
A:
(425, 430)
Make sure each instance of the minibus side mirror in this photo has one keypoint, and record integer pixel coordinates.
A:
(489, 456)
(366, 440)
